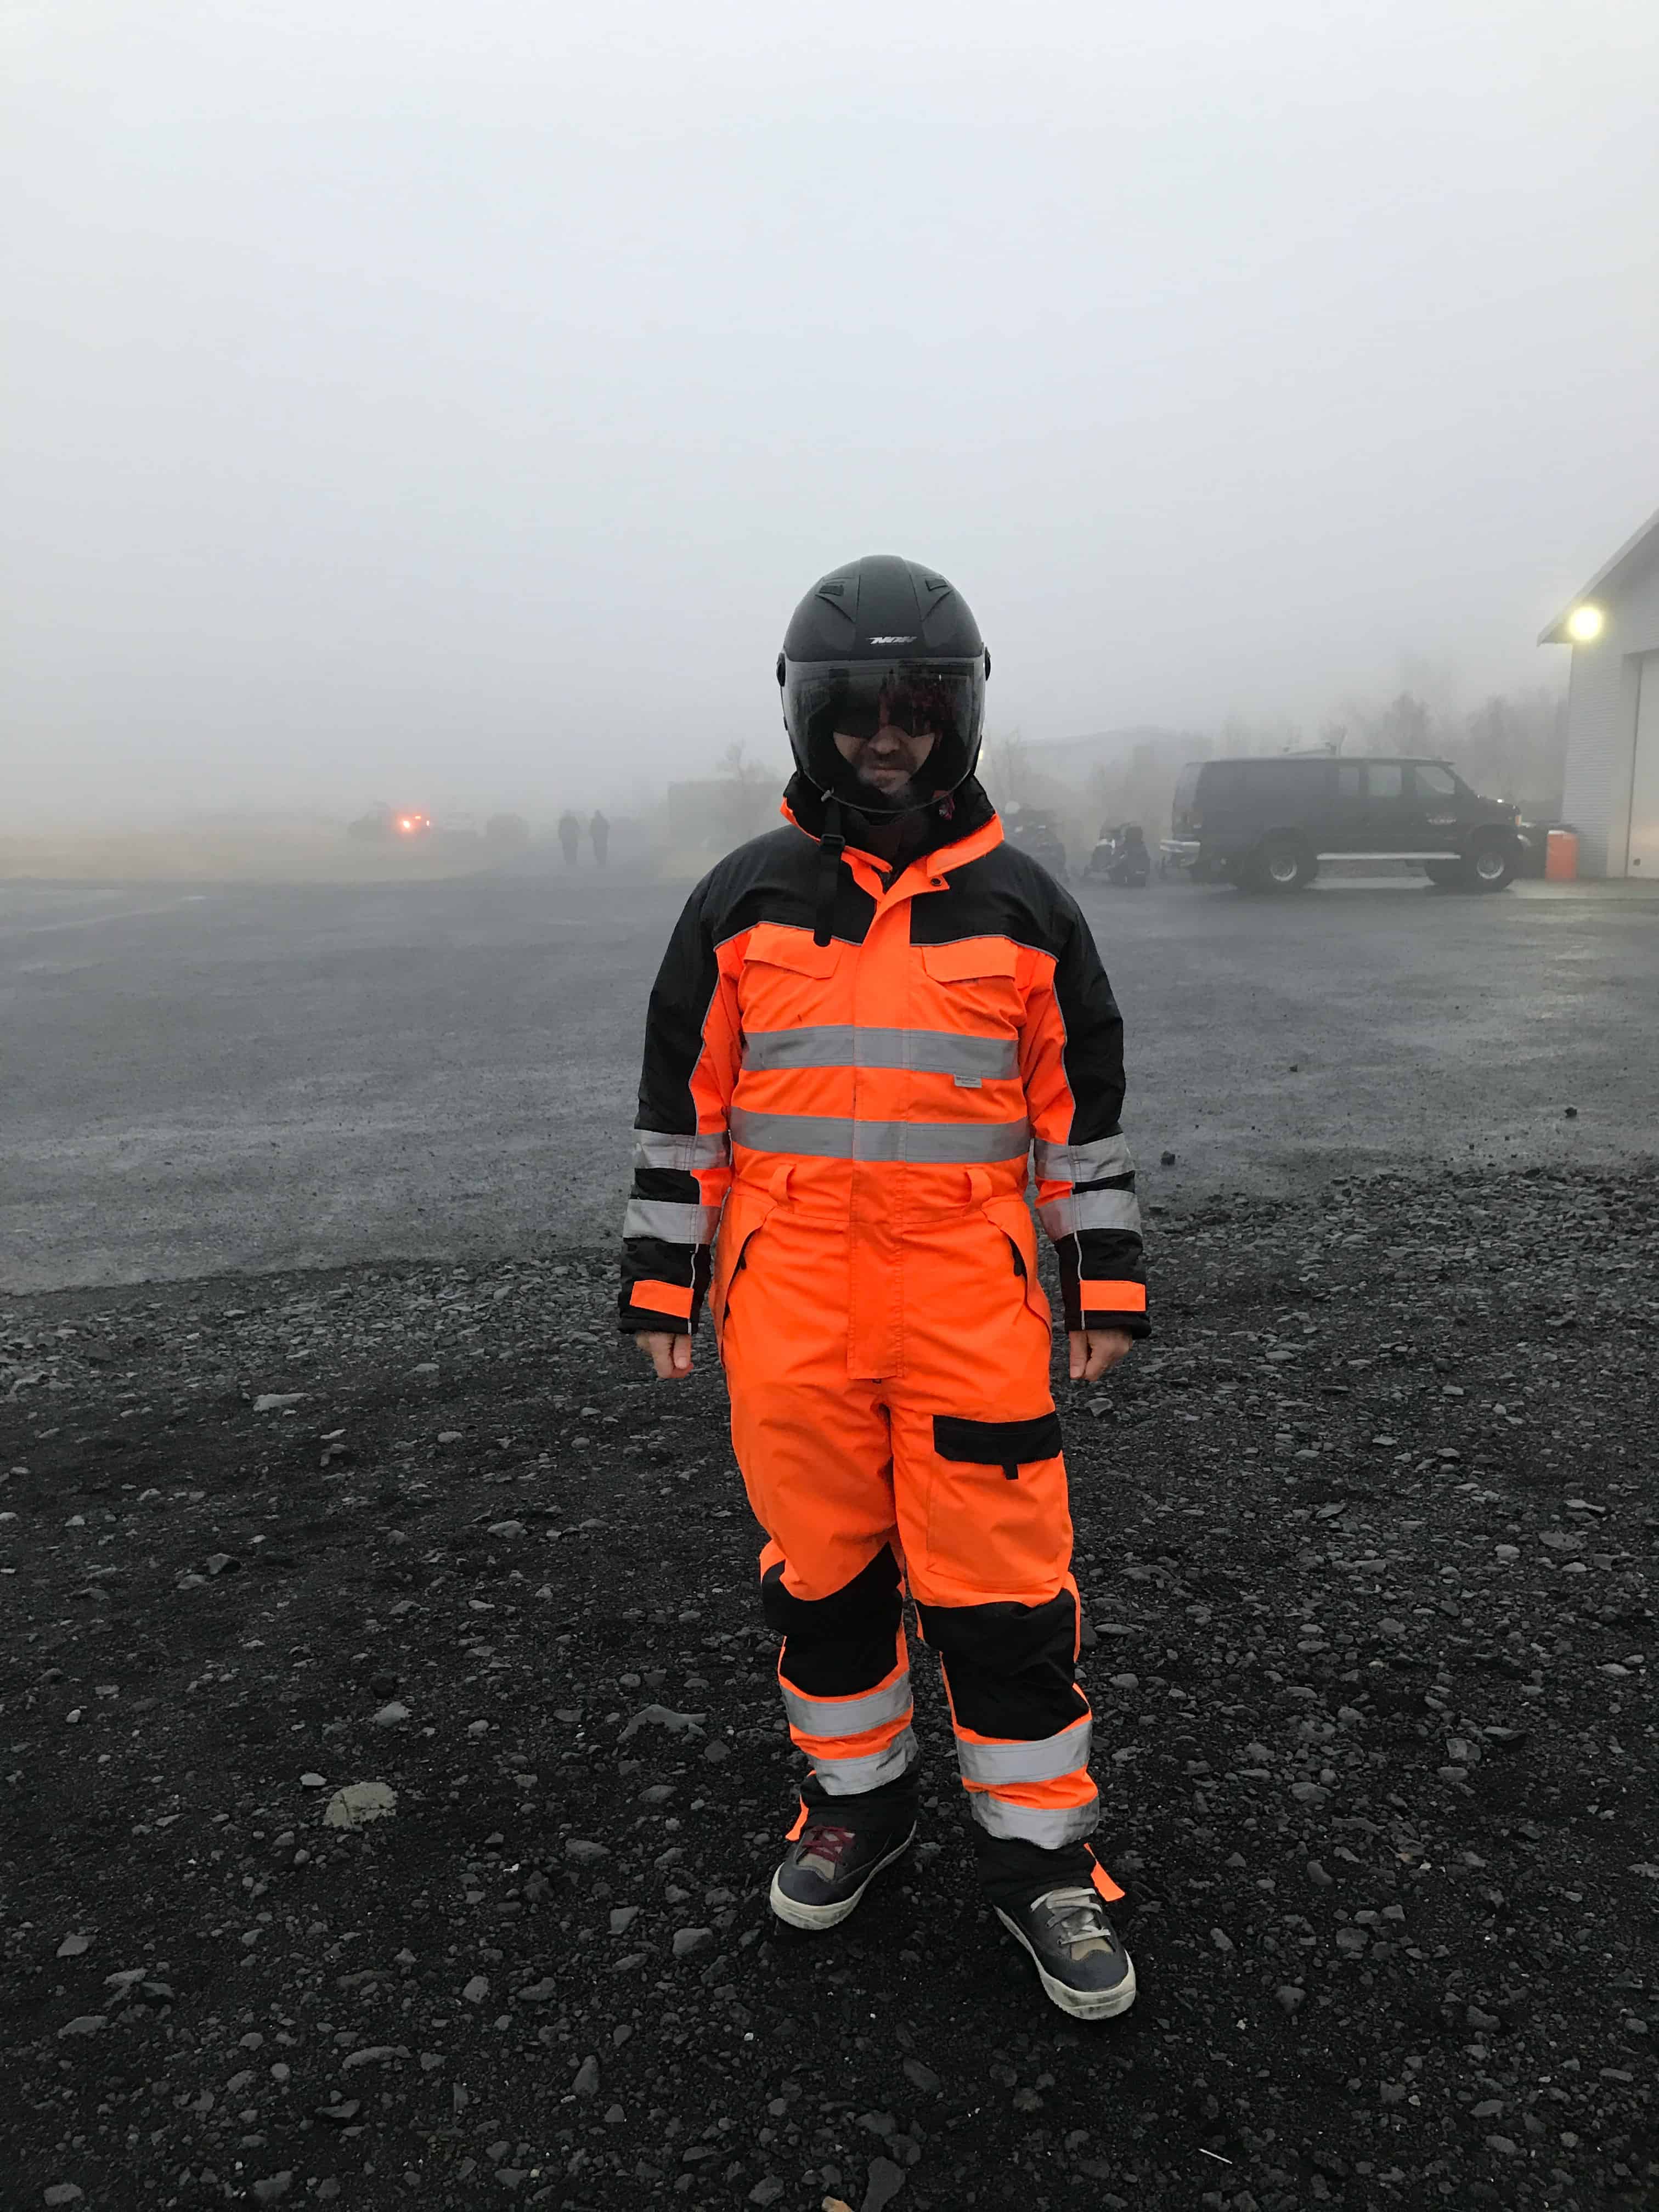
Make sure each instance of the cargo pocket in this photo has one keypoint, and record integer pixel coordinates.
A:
(998, 1526)
(1012, 1217)
(1007, 1444)
(744, 1216)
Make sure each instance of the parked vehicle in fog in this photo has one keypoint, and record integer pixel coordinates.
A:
(1267, 824)
(1120, 857)
(1037, 834)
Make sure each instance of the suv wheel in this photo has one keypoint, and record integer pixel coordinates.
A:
(1490, 865)
(1281, 864)
(1444, 875)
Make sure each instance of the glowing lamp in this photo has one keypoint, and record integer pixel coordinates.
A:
(1585, 624)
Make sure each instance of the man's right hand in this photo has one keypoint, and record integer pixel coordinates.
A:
(671, 1355)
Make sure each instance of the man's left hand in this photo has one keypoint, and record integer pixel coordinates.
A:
(1094, 1351)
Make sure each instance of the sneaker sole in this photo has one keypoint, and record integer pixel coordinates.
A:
(814, 1917)
(1081, 2005)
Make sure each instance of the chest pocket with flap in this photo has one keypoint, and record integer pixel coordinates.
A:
(787, 980)
(975, 977)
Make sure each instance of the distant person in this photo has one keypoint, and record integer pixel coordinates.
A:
(599, 830)
(863, 1022)
(570, 836)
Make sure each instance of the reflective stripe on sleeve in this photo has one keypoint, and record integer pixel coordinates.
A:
(1049, 1826)
(675, 1224)
(848, 1716)
(1089, 1209)
(928, 1051)
(662, 1297)
(830, 1137)
(688, 1151)
(1112, 1297)
(1044, 1759)
(853, 1777)
(1107, 1155)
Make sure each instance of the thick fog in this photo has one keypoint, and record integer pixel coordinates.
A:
(449, 403)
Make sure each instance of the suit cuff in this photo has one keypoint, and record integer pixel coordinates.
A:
(653, 1307)
(1096, 1303)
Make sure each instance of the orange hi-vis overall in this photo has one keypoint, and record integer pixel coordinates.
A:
(855, 1120)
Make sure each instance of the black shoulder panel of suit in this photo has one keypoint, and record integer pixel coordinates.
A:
(1004, 894)
(776, 878)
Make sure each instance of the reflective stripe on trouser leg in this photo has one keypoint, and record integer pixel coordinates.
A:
(855, 1743)
(1023, 1729)
(1039, 1791)
(1049, 1814)
(850, 1773)
(813, 1718)
(844, 1673)
(993, 1762)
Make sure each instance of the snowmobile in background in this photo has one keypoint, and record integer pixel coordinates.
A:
(1035, 832)
(1120, 857)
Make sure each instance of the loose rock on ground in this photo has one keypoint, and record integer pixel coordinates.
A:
(1365, 1538)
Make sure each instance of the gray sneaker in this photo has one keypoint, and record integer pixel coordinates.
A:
(827, 1870)
(1074, 1948)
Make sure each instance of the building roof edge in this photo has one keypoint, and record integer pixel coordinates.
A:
(1628, 557)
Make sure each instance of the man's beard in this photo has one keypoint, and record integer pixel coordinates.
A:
(902, 799)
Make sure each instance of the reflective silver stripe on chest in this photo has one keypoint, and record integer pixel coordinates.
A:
(847, 1044)
(831, 1137)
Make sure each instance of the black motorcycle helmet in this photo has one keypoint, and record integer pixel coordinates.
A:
(883, 640)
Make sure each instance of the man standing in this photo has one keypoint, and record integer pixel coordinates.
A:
(863, 1022)
(570, 835)
(599, 830)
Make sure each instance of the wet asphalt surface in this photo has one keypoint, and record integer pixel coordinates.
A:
(253, 1077)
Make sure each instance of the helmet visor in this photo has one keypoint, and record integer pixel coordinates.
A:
(943, 700)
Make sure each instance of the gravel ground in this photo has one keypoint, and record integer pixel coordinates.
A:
(1365, 1534)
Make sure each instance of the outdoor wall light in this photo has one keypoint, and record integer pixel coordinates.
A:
(1585, 624)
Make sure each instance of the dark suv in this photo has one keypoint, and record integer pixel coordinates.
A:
(1267, 824)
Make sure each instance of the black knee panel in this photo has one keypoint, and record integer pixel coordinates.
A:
(1009, 1666)
(837, 1645)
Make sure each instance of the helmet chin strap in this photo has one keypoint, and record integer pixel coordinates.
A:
(832, 844)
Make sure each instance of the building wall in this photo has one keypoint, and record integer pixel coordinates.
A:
(1601, 722)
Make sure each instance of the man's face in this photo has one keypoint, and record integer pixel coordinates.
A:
(887, 764)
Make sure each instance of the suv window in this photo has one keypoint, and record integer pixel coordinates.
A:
(1286, 783)
(1435, 782)
(1348, 780)
(1384, 780)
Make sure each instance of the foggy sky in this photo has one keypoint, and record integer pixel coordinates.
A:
(448, 404)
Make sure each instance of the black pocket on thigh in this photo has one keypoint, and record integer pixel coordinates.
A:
(1007, 1444)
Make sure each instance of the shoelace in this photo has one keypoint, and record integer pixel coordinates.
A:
(826, 1844)
(1078, 1917)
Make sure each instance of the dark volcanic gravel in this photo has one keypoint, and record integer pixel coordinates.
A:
(1365, 1537)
